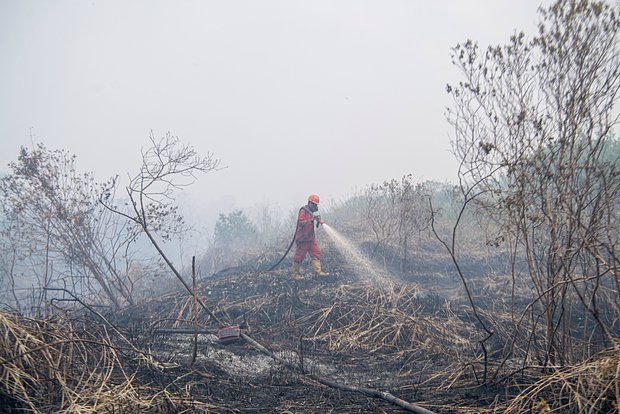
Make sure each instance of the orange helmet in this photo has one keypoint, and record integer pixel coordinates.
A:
(313, 198)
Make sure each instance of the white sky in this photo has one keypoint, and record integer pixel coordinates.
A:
(295, 97)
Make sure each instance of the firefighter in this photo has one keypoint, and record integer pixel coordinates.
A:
(305, 239)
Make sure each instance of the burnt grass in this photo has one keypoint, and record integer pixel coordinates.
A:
(403, 338)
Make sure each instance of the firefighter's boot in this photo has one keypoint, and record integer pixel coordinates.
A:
(297, 271)
(316, 266)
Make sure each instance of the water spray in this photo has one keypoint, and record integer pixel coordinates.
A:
(362, 266)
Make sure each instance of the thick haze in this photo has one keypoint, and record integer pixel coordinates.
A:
(295, 97)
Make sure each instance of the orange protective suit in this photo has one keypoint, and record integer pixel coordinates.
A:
(305, 239)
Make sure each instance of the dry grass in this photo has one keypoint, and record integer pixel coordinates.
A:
(51, 366)
(362, 317)
(591, 387)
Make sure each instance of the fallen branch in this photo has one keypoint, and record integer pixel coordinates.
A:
(368, 391)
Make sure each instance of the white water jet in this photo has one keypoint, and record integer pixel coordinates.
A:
(364, 268)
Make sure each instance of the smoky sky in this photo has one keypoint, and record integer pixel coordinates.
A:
(294, 97)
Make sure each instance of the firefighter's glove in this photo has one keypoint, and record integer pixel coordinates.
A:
(319, 221)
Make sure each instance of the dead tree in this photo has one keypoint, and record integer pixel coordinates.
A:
(532, 122)
(167, 165)
(52, 215)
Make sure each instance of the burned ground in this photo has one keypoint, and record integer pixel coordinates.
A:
(397, 338)
(338, 328)
(392, 338)
(416, 339)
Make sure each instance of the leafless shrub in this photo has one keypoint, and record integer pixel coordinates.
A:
(55, 229)
(396, 211)
(533, 124)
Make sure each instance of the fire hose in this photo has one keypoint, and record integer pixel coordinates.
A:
(285, 253)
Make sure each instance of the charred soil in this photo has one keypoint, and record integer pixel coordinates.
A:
(400, 338)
